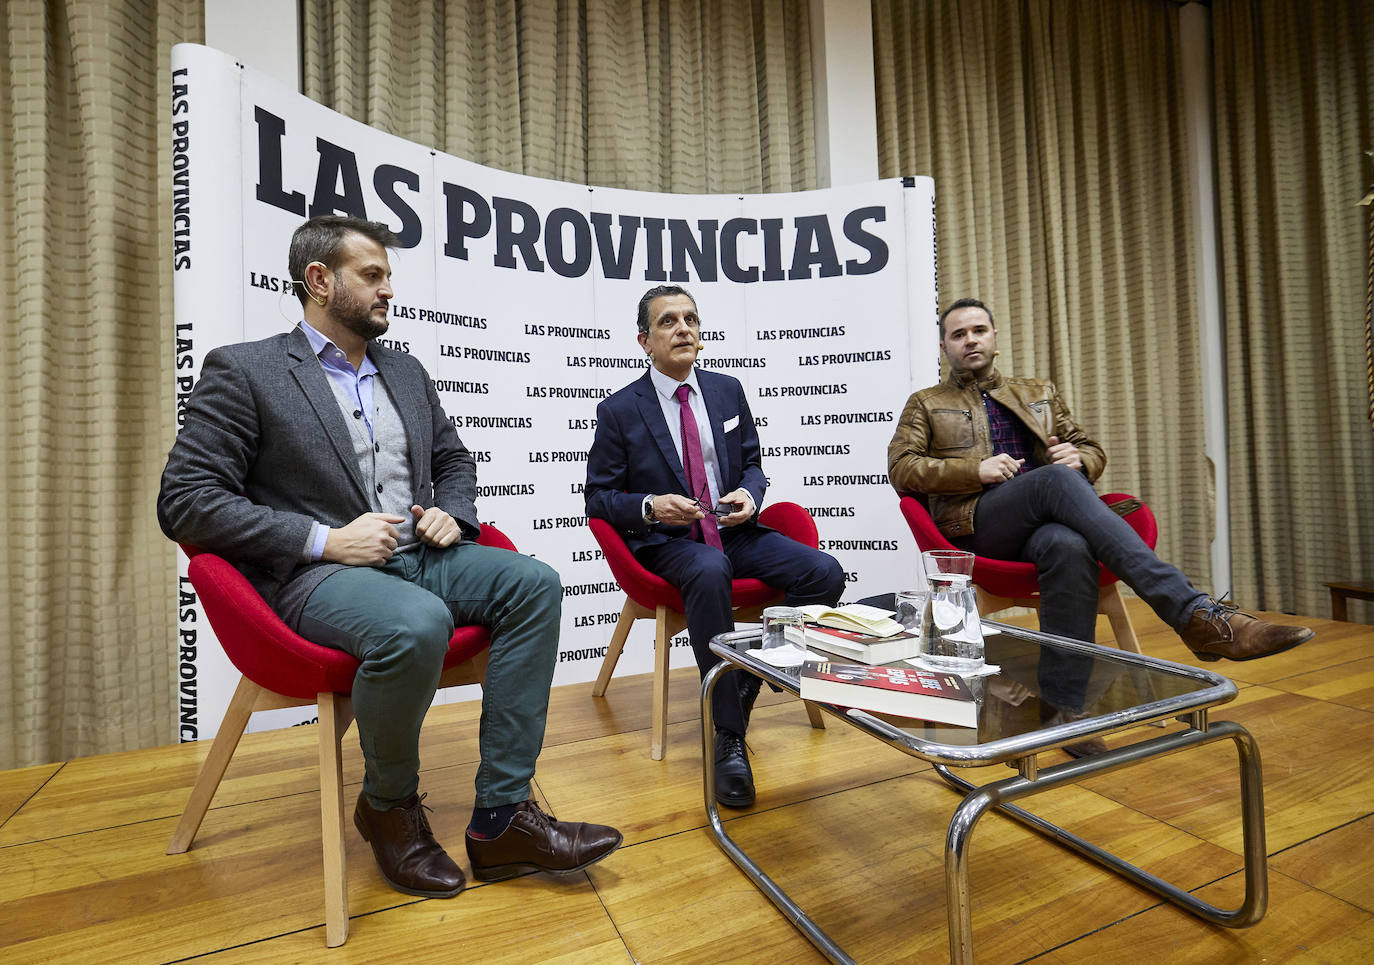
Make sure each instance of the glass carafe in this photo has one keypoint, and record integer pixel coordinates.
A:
(951, 632)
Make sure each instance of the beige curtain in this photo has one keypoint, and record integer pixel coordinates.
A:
(86, 578)
(1295, 114)
(704, 96)
(1054, 132)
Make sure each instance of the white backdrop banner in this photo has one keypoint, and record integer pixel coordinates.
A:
(519, 296)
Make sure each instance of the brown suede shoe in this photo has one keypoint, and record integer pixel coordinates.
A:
(407, 854)
(536, 842)
(1219, 630)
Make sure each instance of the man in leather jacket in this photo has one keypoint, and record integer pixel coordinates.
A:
(1008, 475)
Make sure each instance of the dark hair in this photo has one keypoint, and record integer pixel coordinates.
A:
(321, 239)
(965, 303)
(658, 291)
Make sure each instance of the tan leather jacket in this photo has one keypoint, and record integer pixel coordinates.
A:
(943, 435)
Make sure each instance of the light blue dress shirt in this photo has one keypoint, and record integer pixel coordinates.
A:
(347, 382)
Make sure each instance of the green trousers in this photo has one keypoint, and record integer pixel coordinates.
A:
(396, 619)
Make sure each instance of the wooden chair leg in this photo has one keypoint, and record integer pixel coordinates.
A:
(1111, 603)
(216, 762)
(814, 714)
(336, 713)
(617, 644)
(663, 642)
(473, 670)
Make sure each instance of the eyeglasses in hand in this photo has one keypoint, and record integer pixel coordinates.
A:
(721, 509)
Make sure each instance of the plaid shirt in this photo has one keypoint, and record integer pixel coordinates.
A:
(1009, 434)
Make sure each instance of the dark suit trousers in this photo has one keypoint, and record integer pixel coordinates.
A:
(703, 576)
(397, 620)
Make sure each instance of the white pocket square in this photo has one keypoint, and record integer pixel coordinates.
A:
(731, 424)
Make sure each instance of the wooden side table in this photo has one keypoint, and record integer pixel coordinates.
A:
(1340, 592)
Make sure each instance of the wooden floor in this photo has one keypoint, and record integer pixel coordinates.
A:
(852, 829)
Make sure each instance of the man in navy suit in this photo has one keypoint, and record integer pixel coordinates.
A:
(670, 447)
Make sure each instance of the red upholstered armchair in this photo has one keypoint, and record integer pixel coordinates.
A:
(648, 596)
(1004, 583)
(280, 668)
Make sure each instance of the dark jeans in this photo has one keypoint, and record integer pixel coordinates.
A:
(703, 574)
(1052, 517)
(397, 620)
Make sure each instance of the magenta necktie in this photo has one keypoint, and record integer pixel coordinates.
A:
(695, 464)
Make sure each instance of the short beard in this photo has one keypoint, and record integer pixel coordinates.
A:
(353, 315)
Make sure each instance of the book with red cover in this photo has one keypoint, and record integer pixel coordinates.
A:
(863, 647)
(904, 691)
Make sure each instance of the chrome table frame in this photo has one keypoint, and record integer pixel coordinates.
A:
(1020, 752)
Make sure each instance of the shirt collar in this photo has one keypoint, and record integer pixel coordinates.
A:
(331, 355)
(666, 385)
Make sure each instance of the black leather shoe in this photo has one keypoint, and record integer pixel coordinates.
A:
(407, 854)
(533, 841)
(1083, 748)
(748, 693)
(734, 779)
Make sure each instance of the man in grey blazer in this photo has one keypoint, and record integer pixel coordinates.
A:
(323, 466)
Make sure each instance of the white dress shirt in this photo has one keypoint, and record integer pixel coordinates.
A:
(666, 387)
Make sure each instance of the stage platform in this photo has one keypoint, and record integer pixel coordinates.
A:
(851, 829)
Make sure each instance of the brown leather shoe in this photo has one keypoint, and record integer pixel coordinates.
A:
(407, 854)
(1218, 630)
(536, 842)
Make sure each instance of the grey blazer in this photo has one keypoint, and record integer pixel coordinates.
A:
(264, 451)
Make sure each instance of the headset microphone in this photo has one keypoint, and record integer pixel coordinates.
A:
(700, 346)
(309, 292)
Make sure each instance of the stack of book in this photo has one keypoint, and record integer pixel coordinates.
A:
(859, 633)
(901, 691)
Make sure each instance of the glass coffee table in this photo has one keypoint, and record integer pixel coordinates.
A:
(1048, 693)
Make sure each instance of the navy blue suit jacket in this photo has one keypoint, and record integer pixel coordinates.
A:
(633, 455)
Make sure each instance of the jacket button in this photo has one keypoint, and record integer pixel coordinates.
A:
(379, 487)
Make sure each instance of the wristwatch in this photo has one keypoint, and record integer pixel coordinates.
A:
(648, 509)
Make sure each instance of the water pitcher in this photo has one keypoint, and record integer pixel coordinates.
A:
(951, 632)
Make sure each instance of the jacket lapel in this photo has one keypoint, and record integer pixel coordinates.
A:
(652, 413)
(1019, 407)
(717, 411)
(305, 368)
(996, 387)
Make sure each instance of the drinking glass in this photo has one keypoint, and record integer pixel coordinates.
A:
(782, 637)
(956, 562)
(911, 606)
